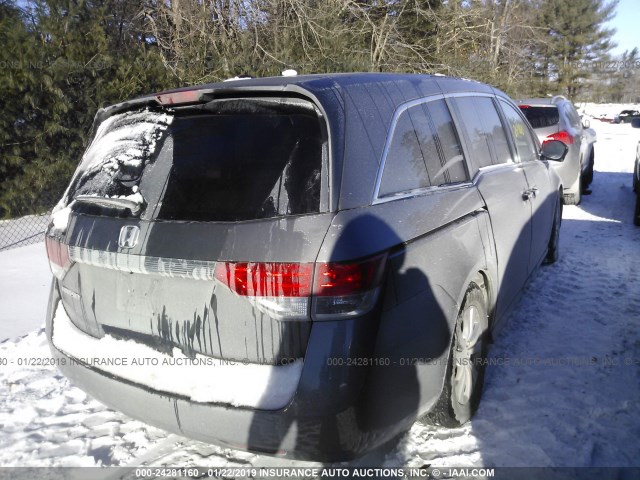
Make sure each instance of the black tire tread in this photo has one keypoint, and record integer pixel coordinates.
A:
(553, 248)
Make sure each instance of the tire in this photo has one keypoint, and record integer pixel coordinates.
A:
(636, 211)
(635, 178)
(587, 177)
(464, 376)
(553, 250)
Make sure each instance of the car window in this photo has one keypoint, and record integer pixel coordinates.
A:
(452, 160)
(541, 117)
(231, 160)
(526, 147)
(423, 151)
(228, 168)
(486, 136)
(404, 167)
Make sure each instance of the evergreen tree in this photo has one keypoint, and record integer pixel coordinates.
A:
(22, 128)
(576, 37)
(71, 58)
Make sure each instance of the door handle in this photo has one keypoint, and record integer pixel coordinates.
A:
(529, 194)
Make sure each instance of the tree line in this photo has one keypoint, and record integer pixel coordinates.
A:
(61, 60)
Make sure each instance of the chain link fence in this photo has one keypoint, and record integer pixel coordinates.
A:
(19, 232)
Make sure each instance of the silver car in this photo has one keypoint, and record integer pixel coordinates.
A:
(299, 266)
(557, 119)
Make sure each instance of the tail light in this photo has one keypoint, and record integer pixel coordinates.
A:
(347, 289)
(281, 290)
(58, 254)
(293, 291)
(563, 136)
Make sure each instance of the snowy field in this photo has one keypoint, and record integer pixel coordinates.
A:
(567, 392)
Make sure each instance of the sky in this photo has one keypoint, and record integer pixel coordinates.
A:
(626, 23)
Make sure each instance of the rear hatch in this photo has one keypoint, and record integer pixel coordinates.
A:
(196, 227)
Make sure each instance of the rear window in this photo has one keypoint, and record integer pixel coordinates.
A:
(229, 160)
(541, 117)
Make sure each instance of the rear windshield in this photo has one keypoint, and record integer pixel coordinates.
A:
(540, 117)
(229, 160)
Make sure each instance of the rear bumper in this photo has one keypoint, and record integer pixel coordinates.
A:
(330, 417)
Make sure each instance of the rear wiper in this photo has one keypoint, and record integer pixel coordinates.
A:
(119, 203)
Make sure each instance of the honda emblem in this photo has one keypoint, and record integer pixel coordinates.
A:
(128, 236)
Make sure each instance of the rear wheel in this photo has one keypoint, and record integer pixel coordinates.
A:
(636, 212)
(553, 250)
(465, 371)
(587, 176)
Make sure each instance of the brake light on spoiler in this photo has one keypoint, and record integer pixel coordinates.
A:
(178, 98)
(292, 291)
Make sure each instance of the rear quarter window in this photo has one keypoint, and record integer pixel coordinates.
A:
(423, 151)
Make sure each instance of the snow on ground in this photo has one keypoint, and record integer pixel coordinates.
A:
(605, 110)
(565, 390)
(25, 279)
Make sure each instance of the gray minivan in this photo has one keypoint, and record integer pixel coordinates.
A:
(299, 266)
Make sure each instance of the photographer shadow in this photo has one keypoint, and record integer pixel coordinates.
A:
(392, 361)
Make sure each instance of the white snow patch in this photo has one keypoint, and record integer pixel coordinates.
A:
(203, 379)
(60, 219)
(25, 279)
(604, 110)
(135, 197)
(125, 139)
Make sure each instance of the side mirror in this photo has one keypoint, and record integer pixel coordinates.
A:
(586, 123)
(635, 123)
(554, 150)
